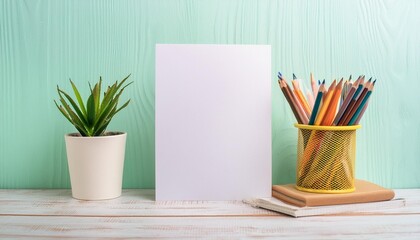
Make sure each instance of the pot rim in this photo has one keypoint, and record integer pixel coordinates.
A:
(77, 135)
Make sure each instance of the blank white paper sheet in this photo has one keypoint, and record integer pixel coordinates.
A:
(213, 121)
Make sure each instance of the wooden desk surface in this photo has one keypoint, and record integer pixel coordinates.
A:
(54, 214)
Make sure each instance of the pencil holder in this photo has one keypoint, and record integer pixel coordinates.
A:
(326, 158)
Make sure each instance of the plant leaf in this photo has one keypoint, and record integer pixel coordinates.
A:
(79, 98)
(73, 104)
(109, 97)
(105, 113)
(92, 118)
(111, 105)
(97, 94)
(109, 112)
(63, 111)
(81, 131)
(109, 94)
(105, 121)
(122, 81)
(75, 119)
(111, 91)
(122, 107)
(102, 129)
(91, 111)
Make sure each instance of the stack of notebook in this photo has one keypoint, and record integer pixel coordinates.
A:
(367, 197)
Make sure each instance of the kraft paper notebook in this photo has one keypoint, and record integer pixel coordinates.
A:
(368, 198)
(365, 192)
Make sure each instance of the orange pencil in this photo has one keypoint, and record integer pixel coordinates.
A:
(325, 104)
(301, 98)
(332, 107)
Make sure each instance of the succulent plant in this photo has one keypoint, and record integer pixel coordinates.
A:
(93, 118)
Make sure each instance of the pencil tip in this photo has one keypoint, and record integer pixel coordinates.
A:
(370, 79)
(323, 82)
(374, 82)
(294, 76)
(279, 75)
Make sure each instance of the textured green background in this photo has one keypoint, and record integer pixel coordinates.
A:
(43, 43)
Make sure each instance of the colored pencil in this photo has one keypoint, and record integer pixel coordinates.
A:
(317, 104)
(361, 105)
(359, 100)
(345, 90)
(363, 110)
(332, 108)
(301, 97)
(361, 113)
(346, 102)
(314, 86)
(310, 97)
(325, 104)
(299, 108)
(301, 112)
(289, 100)
(353, 100)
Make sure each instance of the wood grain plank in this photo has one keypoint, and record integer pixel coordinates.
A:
(54, 214)
(339, 227)
(136, 202)
(131, 203)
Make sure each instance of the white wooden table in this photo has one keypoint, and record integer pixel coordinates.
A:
(54, 214)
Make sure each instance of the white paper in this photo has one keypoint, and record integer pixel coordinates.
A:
(213, 122)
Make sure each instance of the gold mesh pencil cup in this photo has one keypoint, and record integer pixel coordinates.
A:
(326, 158)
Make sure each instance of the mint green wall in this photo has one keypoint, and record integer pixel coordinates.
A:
(43, 43)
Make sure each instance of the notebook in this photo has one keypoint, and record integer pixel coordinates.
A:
(368, 197)
(365, 192)
(279, 206)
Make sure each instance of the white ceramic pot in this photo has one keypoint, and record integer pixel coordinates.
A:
(96, 165)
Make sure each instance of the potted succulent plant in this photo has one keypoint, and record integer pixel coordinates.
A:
(95, 156)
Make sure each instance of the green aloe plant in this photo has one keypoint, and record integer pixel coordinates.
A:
(93, 118)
